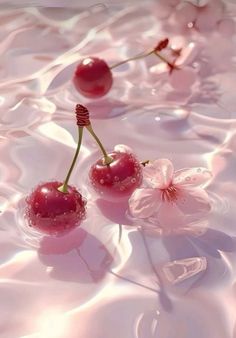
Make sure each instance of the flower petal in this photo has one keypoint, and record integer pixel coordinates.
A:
(122, 148)
(170, 217)
(149, 175)
(192, 176)
(193, 201)
(159, 173)
(144, 202)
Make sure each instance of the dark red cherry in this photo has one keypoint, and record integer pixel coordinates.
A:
(93, 77)
(118, 179)
(53, 212)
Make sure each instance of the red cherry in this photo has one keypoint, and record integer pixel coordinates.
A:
(93, 77)
(54, 212)
(118, 179)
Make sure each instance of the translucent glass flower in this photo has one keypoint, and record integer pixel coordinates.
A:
(168, 195)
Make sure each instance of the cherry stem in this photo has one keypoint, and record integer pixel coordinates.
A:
(171, 65)
(141, 56)
(144, 163)
(107, 159)
(63, 188)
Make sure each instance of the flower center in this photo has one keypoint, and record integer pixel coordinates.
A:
(169, 194)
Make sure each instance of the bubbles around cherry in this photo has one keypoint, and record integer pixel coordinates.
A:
(118, 179)
(53, 212)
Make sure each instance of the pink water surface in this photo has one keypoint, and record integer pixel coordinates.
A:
(90, 284)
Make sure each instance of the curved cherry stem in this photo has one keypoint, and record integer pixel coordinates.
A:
(139, 56)
(63, 188)
(145, 162)
(143, 55)
(171, 65)
(120, 232)
(107, 159)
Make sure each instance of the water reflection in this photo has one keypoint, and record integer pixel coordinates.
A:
(36, 104)
(182, 269)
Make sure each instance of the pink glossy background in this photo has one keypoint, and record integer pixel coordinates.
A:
(86, 285)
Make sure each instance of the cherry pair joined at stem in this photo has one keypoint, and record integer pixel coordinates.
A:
(116, 174)
(56, 207)
(93, 77)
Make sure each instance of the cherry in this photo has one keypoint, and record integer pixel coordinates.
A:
(118, 179)
(93, 77)
(116, 174)
(55, 207)
(52, 211)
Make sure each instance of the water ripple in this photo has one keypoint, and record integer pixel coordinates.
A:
(94, 273)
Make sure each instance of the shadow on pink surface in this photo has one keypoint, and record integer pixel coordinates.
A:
(80, 257)
(212, 246)
(114, 211)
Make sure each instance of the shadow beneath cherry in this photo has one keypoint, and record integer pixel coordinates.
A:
(116, 212)
(76, 257)
(106, 108)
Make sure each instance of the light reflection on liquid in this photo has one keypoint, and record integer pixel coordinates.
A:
(92, 285)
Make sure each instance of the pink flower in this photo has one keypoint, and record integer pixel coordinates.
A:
(170, 195)
(203, 17)
(184, 76)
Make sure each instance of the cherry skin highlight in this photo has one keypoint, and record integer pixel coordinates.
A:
(118, 179)
(93, 77)
(53, 212)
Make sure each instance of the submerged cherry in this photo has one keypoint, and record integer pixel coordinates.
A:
(53, 212)
(56, 207)
(118, 179)
(93, 77)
